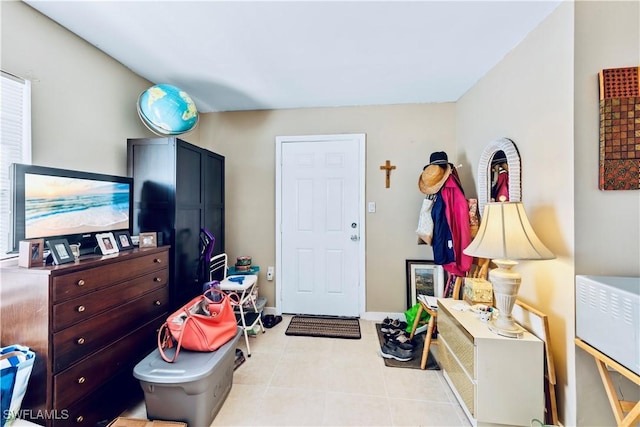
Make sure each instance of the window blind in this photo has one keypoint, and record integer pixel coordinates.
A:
(15, 143)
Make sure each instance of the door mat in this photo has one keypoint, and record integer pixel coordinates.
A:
(414, 363)
(326, 327)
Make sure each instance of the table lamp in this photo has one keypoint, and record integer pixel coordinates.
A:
(505, 235)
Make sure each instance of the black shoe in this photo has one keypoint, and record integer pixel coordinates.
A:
(239, 360)
(392, 351)
(396, 333)
(391, 330)
(403, 342)
(268, 320)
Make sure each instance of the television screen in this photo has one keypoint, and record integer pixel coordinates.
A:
(56, 203)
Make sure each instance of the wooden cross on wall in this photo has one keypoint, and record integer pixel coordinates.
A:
(387, 167)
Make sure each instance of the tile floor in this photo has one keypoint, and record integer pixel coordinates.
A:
(303, 381)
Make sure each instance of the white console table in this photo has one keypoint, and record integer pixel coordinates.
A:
(497, 380)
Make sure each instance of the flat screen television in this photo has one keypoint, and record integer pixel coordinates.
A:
(51, 203)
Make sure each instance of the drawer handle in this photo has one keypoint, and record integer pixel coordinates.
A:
(80, 282)
(80, 341)
(157, 303)
(157, 261)
(81, 308)
(157, 279)
(79, 419)
(81, 380)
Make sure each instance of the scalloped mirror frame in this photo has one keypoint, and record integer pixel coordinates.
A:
(484, 180)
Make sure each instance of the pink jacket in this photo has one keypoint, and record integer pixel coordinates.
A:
(457, 212)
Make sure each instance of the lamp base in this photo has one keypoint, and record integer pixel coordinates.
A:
(506, 283)
(515, 332)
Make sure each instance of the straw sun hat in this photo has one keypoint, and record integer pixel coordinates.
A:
(435, 174)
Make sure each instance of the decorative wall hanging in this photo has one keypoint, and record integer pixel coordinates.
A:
(387, 168)
(619, 129)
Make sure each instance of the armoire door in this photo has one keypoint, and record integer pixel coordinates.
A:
(213, 182)
(189, 219)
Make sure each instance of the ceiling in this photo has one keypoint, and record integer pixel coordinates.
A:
(254, 55)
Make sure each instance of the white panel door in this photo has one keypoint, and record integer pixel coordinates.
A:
(320, 227)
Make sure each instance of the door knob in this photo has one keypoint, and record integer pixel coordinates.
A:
(355, 237)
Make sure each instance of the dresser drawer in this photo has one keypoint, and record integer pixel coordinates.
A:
(86, 306)
(83, 378)
(106, 403)
(462, 383)
(459, 342)
(80, 340)
(78, 283)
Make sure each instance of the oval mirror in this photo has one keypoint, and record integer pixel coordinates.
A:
(499, 173)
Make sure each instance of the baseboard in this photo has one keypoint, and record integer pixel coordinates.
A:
(377, 316)
(369, 315)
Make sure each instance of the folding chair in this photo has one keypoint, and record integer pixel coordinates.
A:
(245, 286)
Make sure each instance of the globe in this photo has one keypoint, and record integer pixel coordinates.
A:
(167, 110)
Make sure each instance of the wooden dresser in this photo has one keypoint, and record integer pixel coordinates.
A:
(89, 323)
(497, 380)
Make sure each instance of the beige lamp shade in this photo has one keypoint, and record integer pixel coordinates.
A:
(505, 233)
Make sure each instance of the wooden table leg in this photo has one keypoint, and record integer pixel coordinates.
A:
(427, 342)
(618, 406)
(416, 321)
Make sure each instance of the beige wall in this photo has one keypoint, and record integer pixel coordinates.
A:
(607, 36)
(404, 134)
(607, 223)
(83, 101)
(528, 98)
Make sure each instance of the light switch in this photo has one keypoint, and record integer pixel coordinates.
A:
(270, 272)
(372, 207)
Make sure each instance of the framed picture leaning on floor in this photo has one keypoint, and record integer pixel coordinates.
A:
(423, 278)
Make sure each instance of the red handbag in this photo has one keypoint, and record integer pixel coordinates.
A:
(200, 325)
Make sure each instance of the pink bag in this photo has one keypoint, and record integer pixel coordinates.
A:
(200, 325)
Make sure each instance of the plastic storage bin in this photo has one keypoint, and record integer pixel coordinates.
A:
(192, 389)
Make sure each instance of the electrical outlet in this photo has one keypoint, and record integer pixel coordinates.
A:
(270, 272)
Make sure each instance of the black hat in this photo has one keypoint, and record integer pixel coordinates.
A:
(439, 158)
(498, 157)
(435, 173)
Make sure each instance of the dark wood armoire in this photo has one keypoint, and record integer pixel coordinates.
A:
(178, 189)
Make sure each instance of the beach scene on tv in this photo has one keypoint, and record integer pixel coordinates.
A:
(56, 206)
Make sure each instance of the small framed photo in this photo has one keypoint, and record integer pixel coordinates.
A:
(148, 240)
(123, 239)
(107, 243)
(423, 278)
(31, 253)
(60, 251)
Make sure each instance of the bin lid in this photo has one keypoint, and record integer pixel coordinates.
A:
(189, 366)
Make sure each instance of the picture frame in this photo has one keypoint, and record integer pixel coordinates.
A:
(424, 277)
(148, 240)
(31, 253)
(60, 251)
(107, 243)
(123, 239)
(537, 323)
